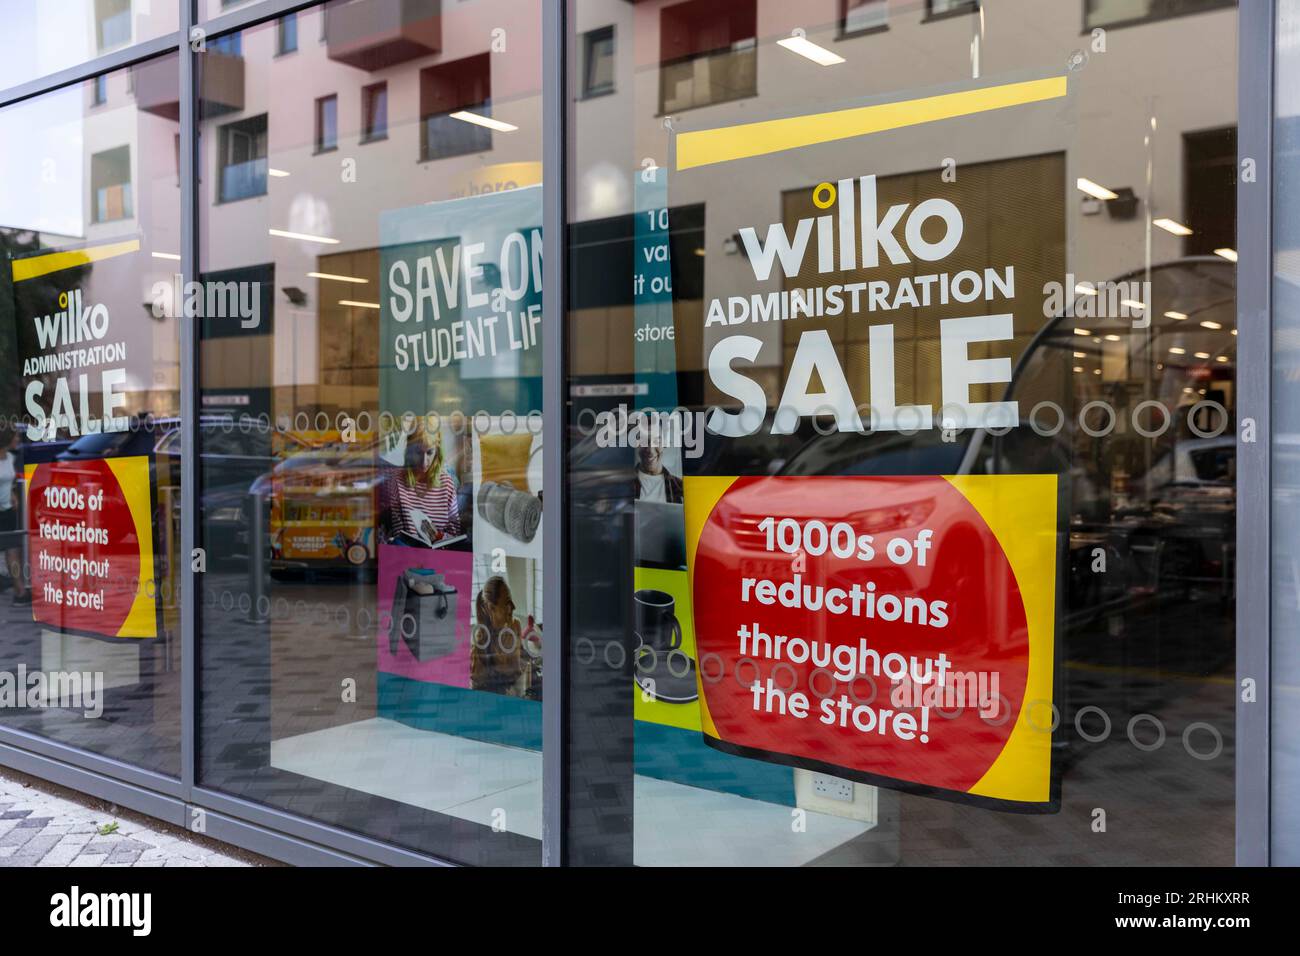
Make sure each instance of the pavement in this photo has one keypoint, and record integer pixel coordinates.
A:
(42, 824)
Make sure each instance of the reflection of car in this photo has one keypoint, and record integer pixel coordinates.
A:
(1161, 511)
(231, 458)
(322, 504)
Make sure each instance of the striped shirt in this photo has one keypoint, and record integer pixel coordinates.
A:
(413, 505)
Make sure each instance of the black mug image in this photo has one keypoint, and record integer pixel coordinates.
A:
(657, 626)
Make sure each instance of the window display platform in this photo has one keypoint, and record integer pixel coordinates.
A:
(471, 780)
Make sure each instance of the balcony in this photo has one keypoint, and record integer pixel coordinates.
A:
(373, 34)
(157, 85)
(243, 180)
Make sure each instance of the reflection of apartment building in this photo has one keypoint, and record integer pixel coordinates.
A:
(130, 190)
(1167, 141)
(339, 114)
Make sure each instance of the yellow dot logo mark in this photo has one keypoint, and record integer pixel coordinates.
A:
(828, 189)
(63, 300)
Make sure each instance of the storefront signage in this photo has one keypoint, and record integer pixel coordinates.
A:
(91, 547)
(889, 630)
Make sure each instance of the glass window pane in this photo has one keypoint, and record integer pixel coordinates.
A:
(598, 77)
(1285, 477)
(41, 37)
(370, 472)
(374, 118)
(89, 417)
(327, 123)
(902, 475)
(862, 15)
(288, 33)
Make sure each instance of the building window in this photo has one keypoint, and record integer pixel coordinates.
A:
(232, 44)
(110, 185)
(1122, 13)
(286, 34)
(99, 90)
(374, 112)
(112, 23)
(863, 16)
(461, 87)
(243, 159)
(598, 62)
(937, 9)
(327, 123)
(706, 53)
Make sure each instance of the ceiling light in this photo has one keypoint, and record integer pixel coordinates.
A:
(1083, 288)
(1202, 355)
(1095, 190)
(272, 171)
(1207, 324)
(1078, 368)
(810, 51)
(1229, 254)
(1080, 354)
(1177, 351)
(1178, 316)
(1134, 304)
(359, 305)
(489, 122)
(337, 278)
(1221, 358)
(305, 237)
(1169, 225)
(1082, 332)
(1112, 338)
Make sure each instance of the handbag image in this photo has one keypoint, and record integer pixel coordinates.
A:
(424, 614)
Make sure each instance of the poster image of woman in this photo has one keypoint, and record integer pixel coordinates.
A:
(497, 659)
(420, 506)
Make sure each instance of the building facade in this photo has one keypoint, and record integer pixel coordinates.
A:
(658, 432)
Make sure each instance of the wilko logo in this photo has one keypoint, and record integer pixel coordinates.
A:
(878, 233)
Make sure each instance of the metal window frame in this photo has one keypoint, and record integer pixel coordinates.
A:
(295, 839)
(1255, 33)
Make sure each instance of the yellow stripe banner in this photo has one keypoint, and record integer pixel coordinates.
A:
(709, 146)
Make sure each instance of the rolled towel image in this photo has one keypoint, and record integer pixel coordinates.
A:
(514, 512)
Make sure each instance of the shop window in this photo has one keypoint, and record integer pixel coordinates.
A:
(286, 34)
(99, 90)
(112, 23)
(327, 123)
(707, 53)
(1123, 13)
(374, 112)
(105, 612)
(398, 544)
(243, 159)
(110, 184)
(598, 62)
(461, 87)
(863, 16)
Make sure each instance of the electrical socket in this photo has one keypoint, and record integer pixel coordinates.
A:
(832, 788)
